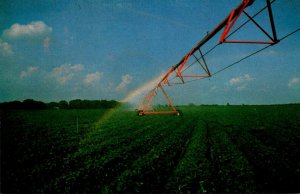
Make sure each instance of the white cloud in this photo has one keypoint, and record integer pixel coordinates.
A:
(31, 30)
(28, 72)
(294, 81)
(66, 72)
(240, 80)
(126, 79)
(92, 77)
(5, 49)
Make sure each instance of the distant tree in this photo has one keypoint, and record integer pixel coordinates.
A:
(63, 104)
(75, 104)
(114, 103)
(227, 104)
(14, 105)
(3, 105)
(52, 105)
(191, 104)
(85, 104)
(34, 105)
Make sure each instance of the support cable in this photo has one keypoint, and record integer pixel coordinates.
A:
(243, 24)
(233, 32)
(287, 35)
(254, 53)
(180, 65)
(250, 55)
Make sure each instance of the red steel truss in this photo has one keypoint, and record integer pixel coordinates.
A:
(178, 70)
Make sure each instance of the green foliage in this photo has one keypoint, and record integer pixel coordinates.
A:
(30, 104)
(89, 104)
(209, 149)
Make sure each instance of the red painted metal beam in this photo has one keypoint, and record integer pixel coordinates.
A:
(248, 41)
(180, 65)
(178, 68)
(234, 14)
(243, 5)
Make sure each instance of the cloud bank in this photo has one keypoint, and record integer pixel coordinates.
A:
(240, 79)
(126, 79)
(241, 82)
(294, 81)
(92, 78)
(35, 29)
(28, 72)
(5, 49)
(66, 72)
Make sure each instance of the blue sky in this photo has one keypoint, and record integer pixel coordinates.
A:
(63, 50)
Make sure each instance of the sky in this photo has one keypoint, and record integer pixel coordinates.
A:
(52, 50)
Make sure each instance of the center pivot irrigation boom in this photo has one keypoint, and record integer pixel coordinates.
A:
(177, 74)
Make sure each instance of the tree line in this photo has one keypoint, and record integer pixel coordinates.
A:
(30, 104)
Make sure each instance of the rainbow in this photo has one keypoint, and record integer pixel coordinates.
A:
(131, 95)
(140, 90)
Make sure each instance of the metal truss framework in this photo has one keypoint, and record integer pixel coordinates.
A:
(177, 74)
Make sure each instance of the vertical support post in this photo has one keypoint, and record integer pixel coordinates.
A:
(207, 70)
(258, 25)
(203, 67)
(152, 93)
(272, 20)
(167, 97)
(180, 76)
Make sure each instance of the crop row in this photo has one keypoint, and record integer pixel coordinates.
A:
(97, 166)
(208, 149)
(192, 174)
(268, 164)
(151, 171)
(35, 144)
(231, 171)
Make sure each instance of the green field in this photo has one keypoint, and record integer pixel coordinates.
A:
(208, 149)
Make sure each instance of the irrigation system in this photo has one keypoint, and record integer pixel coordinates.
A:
(177, 74)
